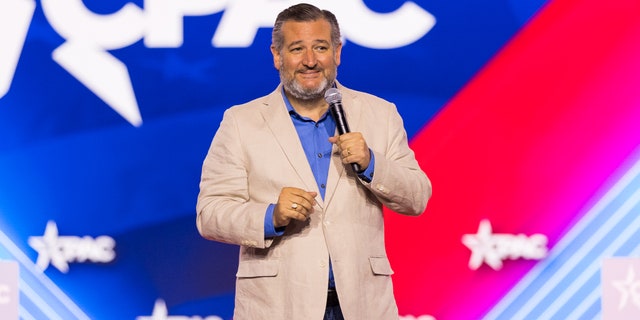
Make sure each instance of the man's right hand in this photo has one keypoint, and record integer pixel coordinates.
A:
(293, 203)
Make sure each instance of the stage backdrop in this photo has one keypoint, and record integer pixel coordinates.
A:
(524, 113)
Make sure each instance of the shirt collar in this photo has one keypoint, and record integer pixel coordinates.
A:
(288, 103)
(293, 112)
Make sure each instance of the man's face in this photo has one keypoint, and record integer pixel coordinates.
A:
(308, 61)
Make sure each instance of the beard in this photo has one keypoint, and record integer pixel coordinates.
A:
(295, 89)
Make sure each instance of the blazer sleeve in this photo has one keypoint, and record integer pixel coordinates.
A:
(398, 181)
(224, 212)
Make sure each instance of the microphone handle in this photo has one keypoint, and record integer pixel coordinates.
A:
(343, 127)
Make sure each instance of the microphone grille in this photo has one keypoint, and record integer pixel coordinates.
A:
(332, 96)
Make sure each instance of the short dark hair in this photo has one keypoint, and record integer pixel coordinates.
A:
(303, 12)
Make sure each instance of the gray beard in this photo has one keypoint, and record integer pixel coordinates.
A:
(294, 88)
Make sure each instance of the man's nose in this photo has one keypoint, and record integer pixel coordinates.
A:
(310, 59)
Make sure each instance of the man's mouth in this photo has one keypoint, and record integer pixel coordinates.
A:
(309, 71)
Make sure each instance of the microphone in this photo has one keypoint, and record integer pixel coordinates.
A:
(334, 99)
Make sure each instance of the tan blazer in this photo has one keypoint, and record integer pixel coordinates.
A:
(254, 154)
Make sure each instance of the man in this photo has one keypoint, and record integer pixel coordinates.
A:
(277, 181)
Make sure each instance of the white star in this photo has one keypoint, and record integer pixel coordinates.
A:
(483, 248)
(49, 249)
(15, 16)
(160, 312)
(103, 74)
(629, 288)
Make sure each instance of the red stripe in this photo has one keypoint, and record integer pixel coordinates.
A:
(526, 144)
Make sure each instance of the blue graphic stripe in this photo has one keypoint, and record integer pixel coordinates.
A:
(626, 244)
(595, 310)
(590, 308)
(24, 314)
(40, 298)
(593, 304)
(562, 274)
(35, 302)
(570, 274)
(592, 284)
(586, 271)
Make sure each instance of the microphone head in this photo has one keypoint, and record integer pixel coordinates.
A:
(332, 96)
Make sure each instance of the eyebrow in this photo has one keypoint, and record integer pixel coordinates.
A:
(321, 41)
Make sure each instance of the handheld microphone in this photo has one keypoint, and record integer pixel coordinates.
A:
(334, 99)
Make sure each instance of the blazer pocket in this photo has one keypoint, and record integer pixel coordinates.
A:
(257, 269)
(380, 266)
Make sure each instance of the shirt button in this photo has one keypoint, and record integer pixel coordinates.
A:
(322, 186)
(319, 155)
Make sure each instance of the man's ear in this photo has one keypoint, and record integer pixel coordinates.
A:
(277, 59)
(338, 53)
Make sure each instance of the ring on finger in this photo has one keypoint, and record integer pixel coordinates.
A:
(294, 206)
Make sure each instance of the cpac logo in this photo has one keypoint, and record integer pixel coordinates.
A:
(60, 250)
(492, 248)
(160, 312)
(89, 36)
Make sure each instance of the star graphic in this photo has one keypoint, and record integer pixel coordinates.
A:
(482, 247)
(48, 248)
(15, 17)
(629, 289)
(160, 312)
(103, 74)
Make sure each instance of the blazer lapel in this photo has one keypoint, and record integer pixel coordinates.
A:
(353, 113)
(279, 122)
